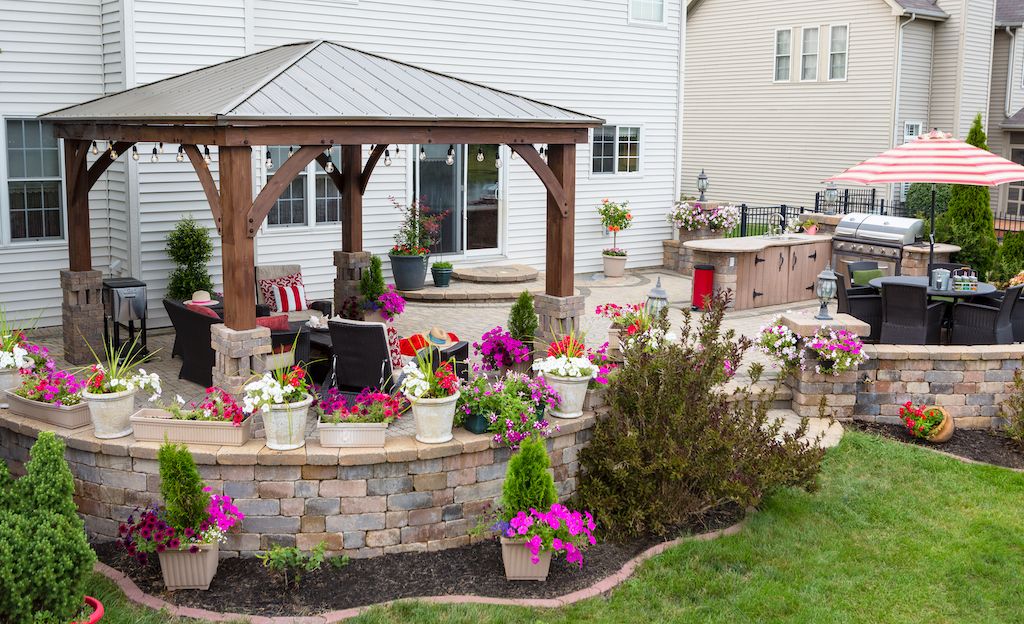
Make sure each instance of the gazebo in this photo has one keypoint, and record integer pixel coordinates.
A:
(315, 95)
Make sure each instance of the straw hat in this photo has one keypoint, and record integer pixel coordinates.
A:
(436, 337)
(201, 297)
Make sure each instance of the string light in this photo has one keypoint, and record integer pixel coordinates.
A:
(451, 156)
(206, 154)
(95, 150)
(290, 152)
(113, 152)
(135, 152)
(515, 155)
(329, 167)
(181, 154)
(161, 147)
(479, 154)
(155, 157)
(497, 159)
(270, 161)
(387, 158)
(396, 151)
(543, 153)
(423, 153)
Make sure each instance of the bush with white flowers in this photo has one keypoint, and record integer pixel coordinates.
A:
(565, 366)
(14, 356)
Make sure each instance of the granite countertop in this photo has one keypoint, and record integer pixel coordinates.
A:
(922, 248)
(752, 244)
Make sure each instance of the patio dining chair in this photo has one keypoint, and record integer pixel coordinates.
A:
(864, 304)
(908, 318)
(979, 324)
(361, 358)
(867, 270)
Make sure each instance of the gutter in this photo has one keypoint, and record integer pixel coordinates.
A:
(899, 77)
(677, 186)
(1010, 71)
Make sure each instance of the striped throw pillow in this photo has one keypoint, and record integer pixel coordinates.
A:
(290, 298)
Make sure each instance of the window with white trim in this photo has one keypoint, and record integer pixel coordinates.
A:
(647, 11)
(783, 54)
(35, 189)
(838, 46)
(311, 197)
(809, 54)
(616, 149)
(911, 130)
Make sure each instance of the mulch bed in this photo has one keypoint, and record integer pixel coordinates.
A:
(243, 585)
(989, 447)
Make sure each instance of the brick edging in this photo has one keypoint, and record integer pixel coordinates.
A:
(136, 595)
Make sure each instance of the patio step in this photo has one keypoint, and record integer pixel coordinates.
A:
(831, 430)
(496, 274)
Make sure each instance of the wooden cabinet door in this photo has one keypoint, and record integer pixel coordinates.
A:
(777, 269)
(805, 263)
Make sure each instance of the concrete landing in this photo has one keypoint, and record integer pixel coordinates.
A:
(497, 274)
(475, 292)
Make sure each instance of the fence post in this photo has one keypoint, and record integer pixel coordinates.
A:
(873, 192)
(881, 207)
(743, 220)
(846, 201)
(817, 200)
(782, 211)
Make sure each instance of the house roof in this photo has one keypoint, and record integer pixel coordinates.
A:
(1014, 122)
(316, 80)
(1009, 13)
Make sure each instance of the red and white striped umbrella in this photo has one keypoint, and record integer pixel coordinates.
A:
(937, 158)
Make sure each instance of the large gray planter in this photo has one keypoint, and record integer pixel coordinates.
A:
(410, 272)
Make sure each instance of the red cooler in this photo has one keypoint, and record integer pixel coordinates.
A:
(703, 284)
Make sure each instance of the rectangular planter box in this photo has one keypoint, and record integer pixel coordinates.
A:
(154, 425)
(352, 435)
(185, 570)
(518, 566)
(595, 399)
(68, 417)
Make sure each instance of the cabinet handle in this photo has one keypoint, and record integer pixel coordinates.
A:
(813, 256)
(782, 260)
(758, 294)
(811, 287)
(792, 265)
(758, 260)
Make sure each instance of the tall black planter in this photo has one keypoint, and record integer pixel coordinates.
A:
(409, 271)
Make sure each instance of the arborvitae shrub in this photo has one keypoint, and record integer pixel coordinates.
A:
(371, 282)
(181, 487)
(1010, 259)
(48, 483)
(190, 247)
(522, 319)
(528, 483)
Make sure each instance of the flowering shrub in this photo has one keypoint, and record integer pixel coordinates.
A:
(498, 349)
(560, 530)
(836, 351)
(421, 381)
(780, 343)
(54, 387)
(150, 532)
(615, 218)
(217, 405)
(687, 216)
(513, 405)
(649, 340)
(371, 406)
(723, 218)
(391, 304)
(276, 388)
(419, 229)
(599, 357)
(921, 421)
(622, 317)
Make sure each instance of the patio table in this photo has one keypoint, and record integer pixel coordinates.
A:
(918, 280)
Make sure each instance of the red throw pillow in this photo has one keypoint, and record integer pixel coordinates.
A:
(267, 287)
(277, 322)
(290, 298)
(202, 310)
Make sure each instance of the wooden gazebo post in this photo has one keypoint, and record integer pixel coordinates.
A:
(351, 260)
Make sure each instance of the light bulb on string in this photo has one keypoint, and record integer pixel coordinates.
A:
(113, 153)
(330, 167)
(451, 156)
(515, 155)
(161, 147)
(497, 161)
(423, 153)
(181, 154)
(387, 158)
(479, 154)
(135, 152)
(290, 151)
(155, 157)
(270, 161)
(206, 154)
(396, 151)
(95, 150)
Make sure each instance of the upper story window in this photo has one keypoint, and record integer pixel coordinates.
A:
(310, 198)
(839, 43)
(809, 54)
(652, 11)
(783, 54)
(616, 149)
(34, 186)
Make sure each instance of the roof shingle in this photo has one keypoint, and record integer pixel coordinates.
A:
(1009, 12)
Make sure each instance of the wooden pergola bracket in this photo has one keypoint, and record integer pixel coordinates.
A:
(104, 160)
(282, 178)
(546, 175)
(371, 162)
(206, 180)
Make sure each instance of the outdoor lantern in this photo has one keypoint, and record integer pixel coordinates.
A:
(831, 196)
(657, 300)
(702, 184)
(825, 290)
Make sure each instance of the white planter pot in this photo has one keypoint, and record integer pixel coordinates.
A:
(614, 266)
(157, 425)
(185, 570)
(572, 390)
(66, 416)
(285, 424)
(110, 413)
(10, 379)
(434, 418)
(352, 435)
(518, 567)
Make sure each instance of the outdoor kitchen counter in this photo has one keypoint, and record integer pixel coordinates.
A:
(764, 271)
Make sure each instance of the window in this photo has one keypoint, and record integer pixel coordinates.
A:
(34, 186)
(294, 208)
(783, 54)
(1015, 190)
(616, 149)
(809, 54)
(911, 130)
(839, 43)
(647, 11)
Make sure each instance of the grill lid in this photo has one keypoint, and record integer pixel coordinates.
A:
(899, 230)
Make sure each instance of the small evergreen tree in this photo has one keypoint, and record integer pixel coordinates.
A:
(919, 202)
(190, 247)
(968, 222)
(522, 319)
(371, 282)
(48, 483)
(1010, 259)
(181, 487)
(528, 482)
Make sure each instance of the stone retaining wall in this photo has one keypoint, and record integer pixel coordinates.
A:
(405, 497)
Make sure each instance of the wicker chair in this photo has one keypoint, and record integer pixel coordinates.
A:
(949, 266)
(908, 318)
(458, 352)
(861, 303)
(864, 265)
(977, 324)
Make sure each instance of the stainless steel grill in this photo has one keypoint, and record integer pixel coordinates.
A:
(124, 302)
(874, 237)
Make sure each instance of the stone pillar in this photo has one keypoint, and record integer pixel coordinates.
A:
(558, 316)
(679, 258)
(350, 265)
(239, 355)
(82, 315)
(809, 387)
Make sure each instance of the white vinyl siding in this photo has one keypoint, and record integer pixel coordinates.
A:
(838, 45)
(809, 53)
(783, 55)
(616, 149)
(961, 71)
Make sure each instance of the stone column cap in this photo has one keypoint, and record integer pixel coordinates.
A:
(807, 325)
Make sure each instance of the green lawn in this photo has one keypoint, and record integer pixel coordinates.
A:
(896, 534)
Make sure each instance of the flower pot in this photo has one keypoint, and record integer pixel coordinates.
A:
(352, 435)
(434, 418)
(572, 391)
(374, 316)
(409, 271)
(97, 611)
(614, 266)
(156, 425)
(285, 424)
(185, 570)
(594, 399)
(10, 378)
(442, 277)
(476, 423)
(110, 413)
(812, 230)
(518, 567)
(66, 416)
(945, 430)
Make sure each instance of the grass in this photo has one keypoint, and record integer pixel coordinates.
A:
(896, 534)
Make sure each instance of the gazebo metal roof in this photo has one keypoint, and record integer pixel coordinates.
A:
(322, 81)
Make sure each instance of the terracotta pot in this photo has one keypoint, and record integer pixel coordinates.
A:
(156, 425)
(614, 266)
(185, 570)
(945, 429)
(110, 413)
(352, 435)
(434, 418)
(285, 424)
(518, 566)
(97, 611)
(572, 391)
(66, 416)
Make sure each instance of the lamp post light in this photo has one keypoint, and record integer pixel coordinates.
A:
(702, 184)
(657, 300)
(831, 197)
(825, 290)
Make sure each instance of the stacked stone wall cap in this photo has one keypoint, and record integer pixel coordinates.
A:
(807, 325)
(351, 259)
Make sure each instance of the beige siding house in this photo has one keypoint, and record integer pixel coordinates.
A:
(1006, 126)
(811, 87)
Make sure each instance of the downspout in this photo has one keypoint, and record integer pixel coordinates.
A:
(899, 78)
(1010, 71)
(677, 186)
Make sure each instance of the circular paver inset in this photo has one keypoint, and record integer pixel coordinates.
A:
(498, 274)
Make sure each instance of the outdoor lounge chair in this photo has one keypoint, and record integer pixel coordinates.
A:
(274, 271)
(979, 324)
(361, 358)
(864, 304)
(908, 318)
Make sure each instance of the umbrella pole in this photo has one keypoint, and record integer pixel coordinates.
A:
(931, 237)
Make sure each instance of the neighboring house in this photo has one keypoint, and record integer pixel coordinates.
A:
(620, 60)
(1006, 109)
(782, 94)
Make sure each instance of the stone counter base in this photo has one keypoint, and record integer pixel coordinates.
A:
(405, 497)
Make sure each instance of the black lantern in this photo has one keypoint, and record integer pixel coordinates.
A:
(702, 184)
(825, 290)
(657, 300)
